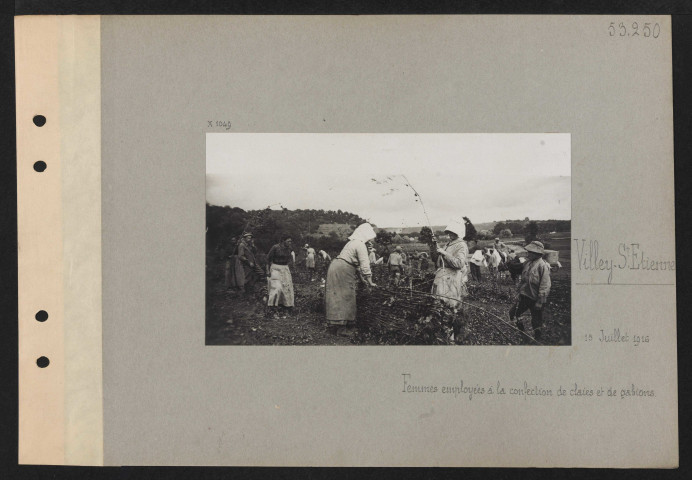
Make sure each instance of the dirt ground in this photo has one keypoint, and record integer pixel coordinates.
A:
(238, 318)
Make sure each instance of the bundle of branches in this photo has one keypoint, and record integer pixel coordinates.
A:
(309, 298)
(402, 317)
(423, 282)
(380, 273)
(489, 291)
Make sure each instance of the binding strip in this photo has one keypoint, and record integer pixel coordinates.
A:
(59, 239)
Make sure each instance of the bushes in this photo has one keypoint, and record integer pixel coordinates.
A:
(425, 236)
(531, 232)
(384, 237)
(226, 224)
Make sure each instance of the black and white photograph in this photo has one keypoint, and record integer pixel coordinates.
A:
(388, 239)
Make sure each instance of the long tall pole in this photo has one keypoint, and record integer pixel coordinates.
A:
(420, 199)
(425, 212)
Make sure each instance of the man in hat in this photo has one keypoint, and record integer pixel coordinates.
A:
(533, 289)
(396, 264)
(246, 254)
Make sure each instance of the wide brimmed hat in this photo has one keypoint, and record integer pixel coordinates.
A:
(457, 228)
(535, 247)
(306, 245)
(247, 234)
(399, 249)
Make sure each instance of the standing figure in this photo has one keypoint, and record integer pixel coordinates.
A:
(533, 289)
(372, 256)
(396, 265)
(451, 276)
(385, 255)
(424, 262)
(280, 280)
(499, 246)
(310, 261)
(477, 259)
(493, 260)
(342, 280)
(246, 254)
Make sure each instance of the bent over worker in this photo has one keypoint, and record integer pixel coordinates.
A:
(342, 280)
(533, 289)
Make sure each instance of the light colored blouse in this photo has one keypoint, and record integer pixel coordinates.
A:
(395, 258)
(535, 280)
(456, 256)
(355, 252)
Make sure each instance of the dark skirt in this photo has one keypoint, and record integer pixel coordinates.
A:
(340, 295)
(234, 272)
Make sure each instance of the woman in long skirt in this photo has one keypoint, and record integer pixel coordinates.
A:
(342, 279)
(477, 259)
(452, 274)
(280, 285)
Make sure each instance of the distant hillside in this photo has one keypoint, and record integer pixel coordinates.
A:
(485, 226)
(342, 230)
(436, 228)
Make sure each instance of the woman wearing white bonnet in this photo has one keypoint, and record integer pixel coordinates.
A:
(452, 273)
(342, 278)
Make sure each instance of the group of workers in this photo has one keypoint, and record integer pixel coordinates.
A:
(398, 263)
(353, 266)
(243, 268)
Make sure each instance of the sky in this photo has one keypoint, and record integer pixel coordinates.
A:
(486, 177)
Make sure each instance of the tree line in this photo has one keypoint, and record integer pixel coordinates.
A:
(523, 227)
(225, 225)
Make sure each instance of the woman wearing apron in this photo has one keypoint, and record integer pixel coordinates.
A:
(342, 279)
(452, 274)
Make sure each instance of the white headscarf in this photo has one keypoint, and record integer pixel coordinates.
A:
(457, 227)
(364, 232)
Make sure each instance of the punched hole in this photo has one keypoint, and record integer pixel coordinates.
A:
(39, 120)
(42, 362)
(41, 316)
(40, 166)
